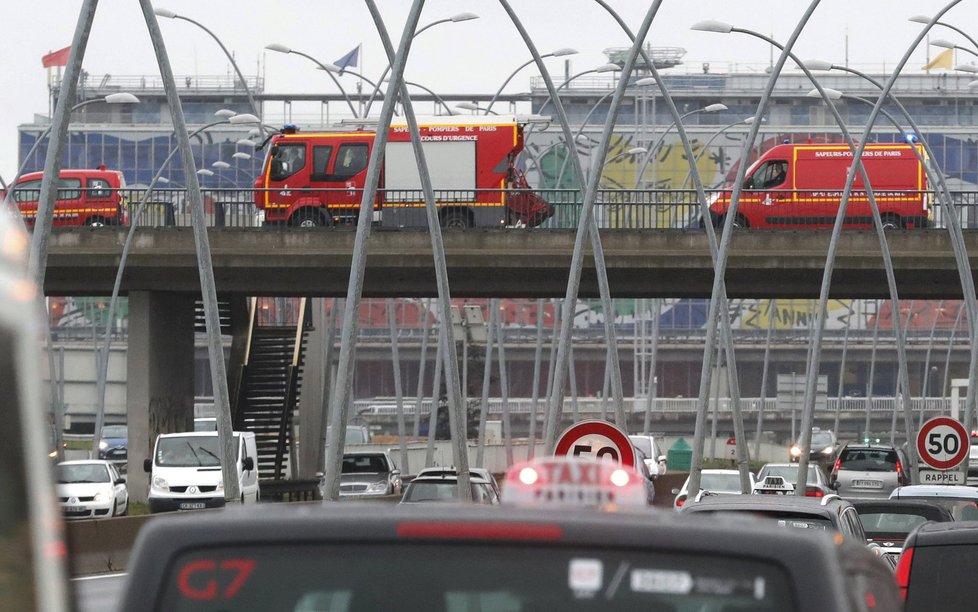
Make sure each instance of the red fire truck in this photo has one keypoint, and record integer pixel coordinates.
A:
(801, 185)
(85, 197)
(317, 178)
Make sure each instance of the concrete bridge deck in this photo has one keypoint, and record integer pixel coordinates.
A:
(505, 263)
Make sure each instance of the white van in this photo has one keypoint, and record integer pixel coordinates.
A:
(185, 471)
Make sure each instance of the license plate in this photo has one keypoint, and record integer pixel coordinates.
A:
(73, 508)
(192, 505)
(868, 484)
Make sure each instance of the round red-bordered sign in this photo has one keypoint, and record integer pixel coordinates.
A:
(943, 443)
(598, 439)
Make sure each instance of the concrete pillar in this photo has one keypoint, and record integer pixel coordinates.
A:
(160, 364)
(310, 406)
(240, 324)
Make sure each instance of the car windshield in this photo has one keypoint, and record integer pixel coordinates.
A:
(189, 451)
(444, 491)
(788, 472)
(364, 464)
(643, 444)
(868, 459)
(960, 509)
(821, 438)
(82, 472)
(464, 577)
(720, 482)
(891, 523)
(114, 431)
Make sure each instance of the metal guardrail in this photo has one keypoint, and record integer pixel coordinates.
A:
(681, 405)
(624, 209)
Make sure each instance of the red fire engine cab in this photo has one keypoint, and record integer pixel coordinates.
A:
(317, 178)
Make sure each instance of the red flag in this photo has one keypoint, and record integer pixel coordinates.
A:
(56, 58)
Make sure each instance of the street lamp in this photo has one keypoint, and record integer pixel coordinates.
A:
(120, 97)
(711, 108)
(168, 14)
(383, 77)
(924, 19)
(280, 48)
(471, 106)
(947, 44)
(558, 53)
(241, 155)
(599, 70)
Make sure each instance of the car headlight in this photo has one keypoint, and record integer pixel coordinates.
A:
(103, 445)
(828, 450)
(220, 485)
(161, 484)
(795, 451)
(376, 487)
(103, 495)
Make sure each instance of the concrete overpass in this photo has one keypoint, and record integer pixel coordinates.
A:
(504, 263)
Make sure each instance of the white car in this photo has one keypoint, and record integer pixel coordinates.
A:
(91, 489)
(719, 482)
(961, 501)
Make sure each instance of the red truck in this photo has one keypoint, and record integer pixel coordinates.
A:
(85, 197)
(800, 185)
(317, 178)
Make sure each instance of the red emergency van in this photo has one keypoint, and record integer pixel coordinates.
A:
(801, 185)
(317, 178)
(85, 197)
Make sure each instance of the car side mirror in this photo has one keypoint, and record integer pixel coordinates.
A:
(675, 491)
(395, 472)
(749, 182)
(119, 481)
(834, 485)
(663, 459)
(248, 463)
(147, 466)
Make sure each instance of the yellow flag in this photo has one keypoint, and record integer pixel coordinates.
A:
(944, 59)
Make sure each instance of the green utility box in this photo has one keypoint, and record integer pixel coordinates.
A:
(680, 456)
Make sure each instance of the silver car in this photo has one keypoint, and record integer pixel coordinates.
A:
(869, 471)
(369, 474)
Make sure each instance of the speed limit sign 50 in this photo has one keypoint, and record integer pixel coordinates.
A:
(596, 439)
(942, 443)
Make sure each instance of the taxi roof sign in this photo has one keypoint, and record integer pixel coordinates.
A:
(573, 481)
(774, 485)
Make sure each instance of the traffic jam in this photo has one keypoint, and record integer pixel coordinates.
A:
(592, 527)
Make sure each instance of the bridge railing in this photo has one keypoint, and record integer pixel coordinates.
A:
(614, 208)
(672, 405)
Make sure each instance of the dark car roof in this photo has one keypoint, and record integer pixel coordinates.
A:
(773, 503)
(929, 510)
(810, 560)
(944, 534)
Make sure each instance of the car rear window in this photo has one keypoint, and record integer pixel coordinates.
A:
(891, 523)
(720, 482)
(795, 520)
(943, 577)
(868, 459)
(960, 509)
(466, 578)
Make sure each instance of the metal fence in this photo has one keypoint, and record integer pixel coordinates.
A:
(625, 209)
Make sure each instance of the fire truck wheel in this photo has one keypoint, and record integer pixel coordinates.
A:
(96, 222)
(891, 222)
(308, 218)
(455, 219)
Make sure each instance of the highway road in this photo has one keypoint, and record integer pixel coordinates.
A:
(98, 593)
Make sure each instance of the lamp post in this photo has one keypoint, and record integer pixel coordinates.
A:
(113, 98)
(471, 106)
(168, 14)
(711, 108)
(924, 19)
(558, 53)
(430, 92)
(280, 48)
(599, 70)
(103, 361)
(947, 44)
(383, 77)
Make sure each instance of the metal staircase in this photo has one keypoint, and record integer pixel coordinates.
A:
(271, 377)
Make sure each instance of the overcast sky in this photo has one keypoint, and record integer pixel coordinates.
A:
(474, 56)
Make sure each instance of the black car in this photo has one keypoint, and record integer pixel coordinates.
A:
(822, 450)
(359, 557)
(828, 513)
(938, 567)
(887, 522)
(113, 444)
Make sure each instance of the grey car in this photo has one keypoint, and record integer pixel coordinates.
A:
(869, 471)
(369, 474)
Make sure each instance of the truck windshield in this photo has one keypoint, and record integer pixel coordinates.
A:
(189, 451)
(465, 577)
(286, 160)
